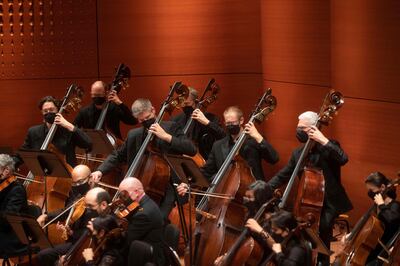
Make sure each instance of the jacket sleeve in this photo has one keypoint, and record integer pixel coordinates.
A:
(15, 201)
(180, 143)
(78, 121)
(284, 174)
(139, 226)
(295, 257)
(335, 152)
(389, 213)
(125, 114)
(268, 153)
(214, 128)
(81, 139)
(210, 168)
(117, 157)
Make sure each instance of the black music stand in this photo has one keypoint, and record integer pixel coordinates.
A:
(28, 232)
(44, 163)
(187, 171)
(101, 143)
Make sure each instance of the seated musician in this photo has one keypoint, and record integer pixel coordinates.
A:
(145, 229)
(206, 127)
(169, 139)
(110, 255)
(80, 185)
(12, 199)
(66, 138)
(96, 203)
(328, 156)
(254, 149)
(388, 211)
(117, 111)
(295, 250)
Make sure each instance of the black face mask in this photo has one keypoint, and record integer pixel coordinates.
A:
(147, 123)
(233, 129)
(81, 189)
(49, 117)
(251, 206)
(301, 135)
(278, 238)
(90, 213)
(372, 194)
(188, 110)
(98, 100)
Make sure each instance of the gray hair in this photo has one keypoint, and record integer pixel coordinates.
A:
(141, 105)
(7, 161)
(194, 93)
(309, 117)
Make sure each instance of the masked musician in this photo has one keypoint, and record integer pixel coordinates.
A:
(296, 250)
(80, 186)
(110, 255)
(169, 139)
(12, 199)
(145, 229)
(388, 211)
(117, 111)
(254, 150)
(96, 203)
(66, 138)
(328, 156)
(206, 127)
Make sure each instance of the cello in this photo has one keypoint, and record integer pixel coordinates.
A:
(311, 188)
(215, 235)
(365, 235)
(148, 165)
(52, 195)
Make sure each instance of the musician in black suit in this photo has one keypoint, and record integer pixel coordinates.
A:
(66, 138)
(117, 111)
(255, 148)
(205, 128)
(12, 200)
(169, 139)
(328, 156)
(145, 229)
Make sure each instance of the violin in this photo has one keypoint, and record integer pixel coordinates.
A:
(6, 182)
(216, 235)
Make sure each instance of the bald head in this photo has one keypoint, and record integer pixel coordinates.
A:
(80, 172)
(133, 186)
(98, 89)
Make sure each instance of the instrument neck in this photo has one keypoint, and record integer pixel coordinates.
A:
(102, 117)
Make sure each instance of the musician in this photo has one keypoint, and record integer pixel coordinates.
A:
(99, 229)
(295, 251)
(96, 203)
(253, 150)
(169, 139)
(328, 156)
(388, 210)
(12, 199)
(66, 138)
(145, 229)
(206, 127)
(117, 111)
(80, 185)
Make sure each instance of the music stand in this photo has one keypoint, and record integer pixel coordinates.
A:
(44, 163)
(28, 232)
(320, 246)
(100, 142)
(187, 171)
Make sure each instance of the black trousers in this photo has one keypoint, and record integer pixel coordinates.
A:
(328, 216)
(49, 256)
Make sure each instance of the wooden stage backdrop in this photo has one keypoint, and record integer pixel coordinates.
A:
(300, 49)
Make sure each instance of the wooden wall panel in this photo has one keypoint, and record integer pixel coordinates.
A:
(296, 41)
(157, 37)
(365, 48)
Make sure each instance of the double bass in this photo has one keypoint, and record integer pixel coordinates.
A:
(365, 235)
(51, 194)
(216, 232)
(311, 187)
(149, 165)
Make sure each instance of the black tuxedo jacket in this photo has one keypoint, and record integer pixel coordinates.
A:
(88, 116)
(180, 144)
(64, 140)
(251, 151)
(203, 135)
(146, 224)
(329, 159)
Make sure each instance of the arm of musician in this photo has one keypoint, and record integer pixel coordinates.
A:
(336, 153)
(284, 174)
(116, 158)
(389, 213)
(296, 256)
(210, 168)
(81, 139)
(78, 121)
(211, 122)
(14, 202)
(125, 114)
(139, 226)
(179, 142)
(88, 255)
